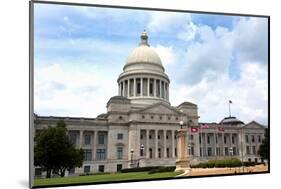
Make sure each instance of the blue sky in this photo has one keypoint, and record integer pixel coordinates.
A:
(80, 51)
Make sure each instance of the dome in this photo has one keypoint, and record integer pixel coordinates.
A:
(144, 54)
(231, 121)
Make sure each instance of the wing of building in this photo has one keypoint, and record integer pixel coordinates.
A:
(139, 127)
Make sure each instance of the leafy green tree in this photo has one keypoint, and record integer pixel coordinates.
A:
(263, 150)
(54, 152)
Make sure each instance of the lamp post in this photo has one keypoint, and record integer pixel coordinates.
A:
(141, 148)
(181, 124)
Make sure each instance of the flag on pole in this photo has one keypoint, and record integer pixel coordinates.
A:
(204, 126)
(230, 101)
(221, 129)
(193, 130)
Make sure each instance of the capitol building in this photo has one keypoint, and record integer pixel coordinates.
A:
(140, 126)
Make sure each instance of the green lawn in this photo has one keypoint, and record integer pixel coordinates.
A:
(103, 178)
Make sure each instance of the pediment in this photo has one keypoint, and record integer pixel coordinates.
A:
(160, 108)
(254, 125)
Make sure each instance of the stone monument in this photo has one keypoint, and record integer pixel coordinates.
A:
(183, 161)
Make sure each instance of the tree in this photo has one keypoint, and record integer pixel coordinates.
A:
(263, 150)
(54, 152)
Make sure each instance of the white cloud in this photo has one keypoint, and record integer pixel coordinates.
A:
(71, 93)
(167, 54)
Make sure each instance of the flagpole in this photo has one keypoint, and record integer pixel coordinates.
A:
(229, 108)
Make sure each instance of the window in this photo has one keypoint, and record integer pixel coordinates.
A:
(101, 168)
(259, 138)
(192, 150)
(120, 117)
(247, 138)
(150, 137)
(216, 139)
(168, 152)
(177, 118)
(87, 155)
(209, 151)
(226, 151)
(169, 117)
(87, 139)
(87, 169)
(119, 167)
(248, 150)
(200, 139)
(73, 138)
(158, 136)
(150, 152)
(119, 136)
(159, 152)
(141, 136)
(138, 87)
(254, 149)
(191, 137)
(224, 138)
(234, 151)
(101, 154)
(218, 151)
(233, 139)
(160, 117)
(119, 152)
(151, 117)
(249, 159)
(151, 87)
(253, 138)
(167, 137)
(143, 116)
(208, 139)
(101, 138)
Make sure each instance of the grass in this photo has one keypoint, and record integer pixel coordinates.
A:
(103, 178)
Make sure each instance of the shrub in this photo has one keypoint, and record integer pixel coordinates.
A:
(100, 173)
(162, 169)
(234, 162)
(139, 169)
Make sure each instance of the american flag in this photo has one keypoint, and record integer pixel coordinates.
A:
(193, 130)
(221, 129)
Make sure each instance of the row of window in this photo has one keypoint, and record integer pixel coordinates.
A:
(233, 151)
(160, 117)
(233, 141)
(101, 154)
(101, 168)
(253, 138)
(249, 152)
(161, 88)
(73, 137)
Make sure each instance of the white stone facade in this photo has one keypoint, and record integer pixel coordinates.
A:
(140, 126)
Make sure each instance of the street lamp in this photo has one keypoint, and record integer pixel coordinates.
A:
(231, 151)
(181, 124)
(189, 149)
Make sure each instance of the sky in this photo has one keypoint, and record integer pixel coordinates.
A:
(79, 53)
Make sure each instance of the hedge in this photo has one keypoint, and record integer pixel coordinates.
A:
(234, 162)
(139, 169)
(163, 169)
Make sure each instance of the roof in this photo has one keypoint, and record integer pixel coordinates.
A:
(231, 121)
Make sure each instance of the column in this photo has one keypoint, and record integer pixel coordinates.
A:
(148, 85)
(81, 139)
(134, 87)
(141, 86)
(119, 89)
(156, 143)
(147, 143)
(206, 145)
(167, 91)
(160, 83)
(222, 138)
(94, 143)
(154, 87)
(173, 143)
(215, 144)
(128, 93)
(165, 145)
